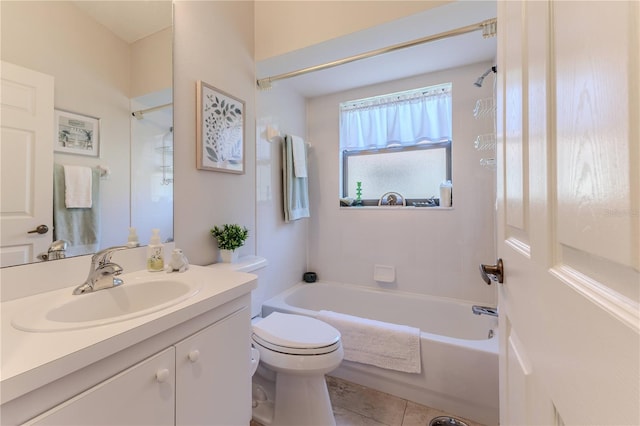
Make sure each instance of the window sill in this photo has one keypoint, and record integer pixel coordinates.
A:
(393, 208)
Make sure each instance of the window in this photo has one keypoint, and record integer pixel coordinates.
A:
(399, 142)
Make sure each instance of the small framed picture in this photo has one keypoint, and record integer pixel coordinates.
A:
(220, 132)
(77, 134)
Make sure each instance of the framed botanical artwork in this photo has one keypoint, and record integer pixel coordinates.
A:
(77, 134)
(220, 133)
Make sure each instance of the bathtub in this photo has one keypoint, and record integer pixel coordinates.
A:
(459, 350)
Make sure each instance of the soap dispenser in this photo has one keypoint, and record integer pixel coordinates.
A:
(132, 240)
(155, 252)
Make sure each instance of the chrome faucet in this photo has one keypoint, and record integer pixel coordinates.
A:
(102, 273)
(57, 250)
(484, 310)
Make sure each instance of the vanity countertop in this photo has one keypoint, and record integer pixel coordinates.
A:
(30, 360)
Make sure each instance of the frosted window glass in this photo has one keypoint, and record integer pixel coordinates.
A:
(413, 174)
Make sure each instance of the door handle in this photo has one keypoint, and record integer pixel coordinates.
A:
(492, 272)
(41, 229)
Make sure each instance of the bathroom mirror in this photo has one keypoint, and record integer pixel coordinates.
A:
(111, 64)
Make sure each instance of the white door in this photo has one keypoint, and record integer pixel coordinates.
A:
(569, 212)
(26, 155)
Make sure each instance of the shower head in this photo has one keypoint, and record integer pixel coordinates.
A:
(479, 81)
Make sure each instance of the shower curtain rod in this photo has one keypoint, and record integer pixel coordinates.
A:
(140, 113)
(488, 28)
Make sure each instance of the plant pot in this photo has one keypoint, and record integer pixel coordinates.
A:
(229, 256)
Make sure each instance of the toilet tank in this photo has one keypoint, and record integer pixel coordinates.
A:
(253, 265)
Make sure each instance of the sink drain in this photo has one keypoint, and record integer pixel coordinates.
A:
(446, 421)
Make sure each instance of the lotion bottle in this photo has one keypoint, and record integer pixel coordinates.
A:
(445, 193)
(155, 252)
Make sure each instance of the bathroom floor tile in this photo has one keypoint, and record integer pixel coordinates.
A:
(346, 417)
(381, 407)
(356, 405)
(417, 414)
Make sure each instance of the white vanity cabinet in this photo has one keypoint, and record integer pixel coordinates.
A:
(141, 395)
(203, 379)
(194, 373)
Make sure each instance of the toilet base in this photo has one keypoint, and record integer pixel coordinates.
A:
(263, 397)
(293, 400)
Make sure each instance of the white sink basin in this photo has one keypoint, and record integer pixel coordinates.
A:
(135, 298)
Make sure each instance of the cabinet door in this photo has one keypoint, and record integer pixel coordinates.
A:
(140, 395)
(213, 386)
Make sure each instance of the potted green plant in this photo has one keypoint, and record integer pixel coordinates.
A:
(230, 237)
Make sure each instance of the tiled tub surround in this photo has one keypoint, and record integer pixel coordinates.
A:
(459, 360)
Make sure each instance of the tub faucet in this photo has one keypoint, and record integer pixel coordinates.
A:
(484, 310)
(102, 273)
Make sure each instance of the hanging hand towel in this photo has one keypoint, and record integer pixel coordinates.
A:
(79, 227)
(385, 345)
(299, 157)
(77, 187)
(295, 191)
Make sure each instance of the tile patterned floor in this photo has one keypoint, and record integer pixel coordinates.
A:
(355, 405)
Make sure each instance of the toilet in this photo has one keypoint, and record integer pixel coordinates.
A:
(295, 352)
(290, 354)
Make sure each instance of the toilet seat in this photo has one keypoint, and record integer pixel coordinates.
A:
(295, 335)
(295, 351)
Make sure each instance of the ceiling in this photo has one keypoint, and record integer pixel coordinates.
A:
(424, 58)
(130, 20)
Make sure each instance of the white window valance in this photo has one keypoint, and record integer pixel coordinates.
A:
(405, 119)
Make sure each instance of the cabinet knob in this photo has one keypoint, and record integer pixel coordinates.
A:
(194, 355)
(162, 375)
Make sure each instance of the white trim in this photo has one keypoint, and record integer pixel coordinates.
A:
(617, 305)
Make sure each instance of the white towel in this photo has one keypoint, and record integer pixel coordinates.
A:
(299, 157)
(77, 187)
(385, 345)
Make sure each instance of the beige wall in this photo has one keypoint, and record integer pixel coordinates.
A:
(213, 43)
(284, 26)
(151, 63)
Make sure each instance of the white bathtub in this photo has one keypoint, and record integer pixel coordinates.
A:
(459, 358)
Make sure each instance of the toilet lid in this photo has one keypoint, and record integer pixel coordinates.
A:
(295, 331)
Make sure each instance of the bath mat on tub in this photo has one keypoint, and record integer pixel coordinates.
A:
(385, 345)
